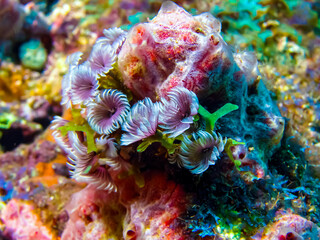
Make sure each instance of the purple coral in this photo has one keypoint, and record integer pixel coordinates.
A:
(142, 121)
(108, 112)
(102, 58)
(84, 85)
(203, 151)
(177, 113)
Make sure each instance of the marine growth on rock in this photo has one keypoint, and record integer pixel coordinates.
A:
(170, 132)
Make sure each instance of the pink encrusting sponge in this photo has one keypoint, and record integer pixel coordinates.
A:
(176, 49)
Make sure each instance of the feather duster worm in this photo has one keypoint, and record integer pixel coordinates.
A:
(102, 58)
(108, 112)
(142, 121)
(73, 61)
(177, 113)
(204, 150)
(84, 85)
(114, 37)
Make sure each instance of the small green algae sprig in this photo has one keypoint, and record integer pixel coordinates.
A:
(230, 143)
(85, 128)
(197, 149)
(211, 118)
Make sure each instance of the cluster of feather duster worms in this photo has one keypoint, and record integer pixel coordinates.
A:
(103, 120)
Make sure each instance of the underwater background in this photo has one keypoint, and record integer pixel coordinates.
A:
(139, 119)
